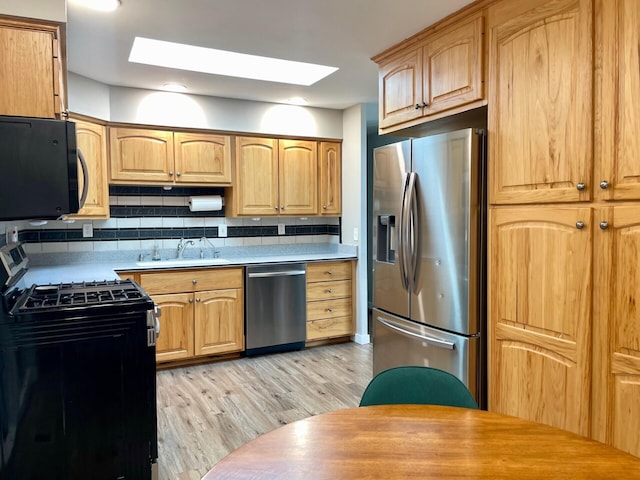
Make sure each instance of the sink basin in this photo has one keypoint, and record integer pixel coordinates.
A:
(184, 262)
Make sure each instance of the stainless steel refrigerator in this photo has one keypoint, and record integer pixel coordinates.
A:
(428, 256)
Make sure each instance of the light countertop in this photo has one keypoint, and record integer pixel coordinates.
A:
(90, 266)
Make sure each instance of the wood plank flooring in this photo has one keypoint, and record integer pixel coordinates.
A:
(206, 411)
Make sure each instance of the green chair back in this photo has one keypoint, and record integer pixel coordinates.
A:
(417, 385)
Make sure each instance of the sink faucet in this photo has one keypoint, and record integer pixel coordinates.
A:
(182, 244)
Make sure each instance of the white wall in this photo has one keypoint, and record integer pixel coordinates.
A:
(354, 205)
(134, 105)
(53, 10)
(88, 97)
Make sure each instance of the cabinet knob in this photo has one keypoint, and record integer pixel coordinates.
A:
(178, 174)
(604, 225)
(330, 290)
(171, 174)
(281, 207)
(329, 272)
(579, 225)
(418, 107)
(329, 309)
(425, 104)
(581, 186)
(194, 281)
(277, 207)
(191, 300)
(604, 184)
(324, 206)
(197, 300)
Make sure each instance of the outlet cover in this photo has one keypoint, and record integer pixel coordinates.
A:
(87, 230)
(355, 234)
(222, 230)
(281, 230)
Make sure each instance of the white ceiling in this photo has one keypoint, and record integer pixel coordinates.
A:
(340, 33)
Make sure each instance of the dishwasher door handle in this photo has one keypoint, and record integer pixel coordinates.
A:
(282, 273)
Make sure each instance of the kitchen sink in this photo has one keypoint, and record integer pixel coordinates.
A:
(184, 262)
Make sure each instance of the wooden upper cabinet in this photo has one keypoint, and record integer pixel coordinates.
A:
(92, 142)
(275, 177)
(202, 158)
(617, 90)
(540, 101)
(30, 69)
(616, 335)
(440, 72)
(453, 66)
(140, 156)
(256, 189)
(330, 163)
(400, 88)
(540, 314)
(298, 177)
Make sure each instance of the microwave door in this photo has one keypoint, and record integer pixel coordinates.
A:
(391, 166)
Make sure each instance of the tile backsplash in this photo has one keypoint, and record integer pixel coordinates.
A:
(143, 217)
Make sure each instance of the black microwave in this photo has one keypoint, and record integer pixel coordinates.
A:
(39, 169)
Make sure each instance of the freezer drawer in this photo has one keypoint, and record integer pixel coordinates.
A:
(398, 342)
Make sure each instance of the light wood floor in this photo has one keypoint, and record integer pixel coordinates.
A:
(206, 411)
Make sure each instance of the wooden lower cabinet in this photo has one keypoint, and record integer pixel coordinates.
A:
(203, 316)
(616, 328)
(540, 285)
(329, 300)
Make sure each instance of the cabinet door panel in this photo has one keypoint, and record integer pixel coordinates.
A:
(330, 178)
(219, 322)
(540, 315)
(618, 96)
(256, 176)
(453, 64)
(617, 329)
(27, 72)
(141, 155)
(540, 120)
(92, 141)
(298, 163)
(176, 327)
(202, 158)
(400, 88)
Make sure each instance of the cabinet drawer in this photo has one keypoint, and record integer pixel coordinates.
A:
(329, 309)
(330, 327)
(323, 271)
(191, 280)
(328, 290)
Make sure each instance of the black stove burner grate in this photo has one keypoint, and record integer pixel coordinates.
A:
(81, 294)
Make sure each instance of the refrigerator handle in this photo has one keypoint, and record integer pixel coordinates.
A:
(413, 227)
(403, 235)
(436, 342)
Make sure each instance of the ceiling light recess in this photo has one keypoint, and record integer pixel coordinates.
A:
(174, 87)
(221, 62)
(100, 5)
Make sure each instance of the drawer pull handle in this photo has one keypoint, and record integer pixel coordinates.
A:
(330, 310)
(329, 272)
(194, 281)
(330, 290)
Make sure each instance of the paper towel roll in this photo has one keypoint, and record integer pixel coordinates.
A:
(205, 203)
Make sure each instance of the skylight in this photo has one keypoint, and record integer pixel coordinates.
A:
(221, 62)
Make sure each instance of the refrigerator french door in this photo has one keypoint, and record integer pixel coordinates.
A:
(428, 249)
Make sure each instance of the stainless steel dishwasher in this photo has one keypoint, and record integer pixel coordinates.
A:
(275, 308)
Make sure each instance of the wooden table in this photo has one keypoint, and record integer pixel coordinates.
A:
(425, 442)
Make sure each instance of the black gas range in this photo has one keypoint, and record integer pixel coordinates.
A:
(77, 377)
